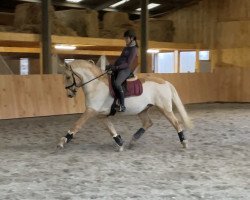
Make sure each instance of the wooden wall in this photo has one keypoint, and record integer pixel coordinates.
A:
(36, 95)
(44, 95)
(223, 26)
(196, 23)
(194, 87)
(233, 84)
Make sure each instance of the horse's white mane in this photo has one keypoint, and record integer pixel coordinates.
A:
(85, 64)
(100, 65)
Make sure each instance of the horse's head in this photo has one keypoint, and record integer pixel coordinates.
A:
(72, 80)
(78, 71)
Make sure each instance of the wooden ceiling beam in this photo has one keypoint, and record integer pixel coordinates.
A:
(105, 4)
(19, 50)
(129, 7)
(75, 52)
(19, 37)
(16, 38)
(83, 41)
(30, 1)
(172, 46)
(59, 3)
(172, 7)
(88, 52)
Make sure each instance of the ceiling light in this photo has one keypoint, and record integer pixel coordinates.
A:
(65, 47)
(153, 51)
(88, 45)
(118, 3)
(68, 60)
(150, 6)
(74, 1)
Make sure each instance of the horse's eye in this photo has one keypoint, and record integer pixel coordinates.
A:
(67, 77)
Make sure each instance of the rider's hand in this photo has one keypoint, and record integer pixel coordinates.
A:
(108, 67)
(111, 67)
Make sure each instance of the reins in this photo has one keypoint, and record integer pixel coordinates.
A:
(93, 79)
(74, 81)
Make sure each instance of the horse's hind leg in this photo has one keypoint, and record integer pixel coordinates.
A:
(113, 133)
(77, 126)
(146, 123)
(173, 120)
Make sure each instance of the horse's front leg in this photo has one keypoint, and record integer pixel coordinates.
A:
(89, 113)
(113, 133)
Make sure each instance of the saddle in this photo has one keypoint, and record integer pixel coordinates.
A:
(131, 87)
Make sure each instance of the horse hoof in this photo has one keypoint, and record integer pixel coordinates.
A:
(131, 144)
(185, 144)
(60, 146)
(121, 148)
(62, 142)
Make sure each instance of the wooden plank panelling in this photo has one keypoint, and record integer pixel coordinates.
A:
(44, 95)
(195, 87)
(36, 95)
(19, 50)
(9, 39)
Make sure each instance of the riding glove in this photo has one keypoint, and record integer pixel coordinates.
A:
(111, 67)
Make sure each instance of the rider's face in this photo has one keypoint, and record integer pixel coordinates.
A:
(127, 40)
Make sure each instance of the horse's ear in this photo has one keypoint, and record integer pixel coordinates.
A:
(60, 62)
(61, 68)
(91, 61)
(61, 65)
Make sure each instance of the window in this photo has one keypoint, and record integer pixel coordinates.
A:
(187, 61)
(24, 66)
(205, 64)
(164, 62)
(204, 55)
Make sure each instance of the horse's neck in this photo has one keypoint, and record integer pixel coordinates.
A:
(96, 89)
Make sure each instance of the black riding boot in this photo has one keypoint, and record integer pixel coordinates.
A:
(121, 99)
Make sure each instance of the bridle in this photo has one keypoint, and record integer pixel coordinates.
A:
(69, 87)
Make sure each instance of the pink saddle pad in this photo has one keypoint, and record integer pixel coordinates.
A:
(133, 88)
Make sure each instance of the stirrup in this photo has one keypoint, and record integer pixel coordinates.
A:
(122, 109)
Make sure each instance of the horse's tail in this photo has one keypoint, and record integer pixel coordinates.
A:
(181, 108)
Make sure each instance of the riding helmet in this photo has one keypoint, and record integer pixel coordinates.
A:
(129, 33)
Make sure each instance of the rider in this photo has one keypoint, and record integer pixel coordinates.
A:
(125, 65)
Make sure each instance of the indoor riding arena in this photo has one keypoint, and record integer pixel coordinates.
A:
(201, 47)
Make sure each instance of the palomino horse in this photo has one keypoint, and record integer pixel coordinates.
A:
(156, 92)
